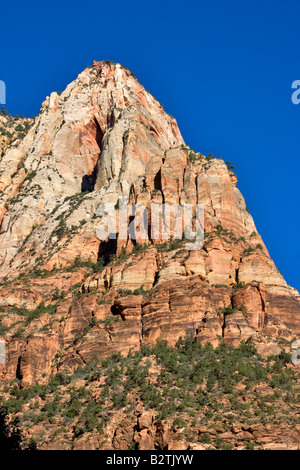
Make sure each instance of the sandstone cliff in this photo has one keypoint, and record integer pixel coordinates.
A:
(66, 296)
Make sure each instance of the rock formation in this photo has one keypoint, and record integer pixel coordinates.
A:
(66, 296)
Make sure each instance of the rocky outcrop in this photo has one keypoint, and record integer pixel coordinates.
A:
(66, 296)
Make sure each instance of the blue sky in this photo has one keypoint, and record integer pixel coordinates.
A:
(224, 69)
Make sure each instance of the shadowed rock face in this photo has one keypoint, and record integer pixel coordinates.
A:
(104, 137)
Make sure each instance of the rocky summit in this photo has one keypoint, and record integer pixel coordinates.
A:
(135, 344)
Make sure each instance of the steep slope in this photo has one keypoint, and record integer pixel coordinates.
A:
(182, 398)
(66, 296)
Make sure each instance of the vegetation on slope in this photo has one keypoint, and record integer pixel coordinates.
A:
(188, 387)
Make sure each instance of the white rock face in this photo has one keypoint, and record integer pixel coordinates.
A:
(101, 132)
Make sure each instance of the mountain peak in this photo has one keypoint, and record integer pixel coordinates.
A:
(105, 137)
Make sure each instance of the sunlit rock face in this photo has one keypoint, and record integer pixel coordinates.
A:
(105, 137)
